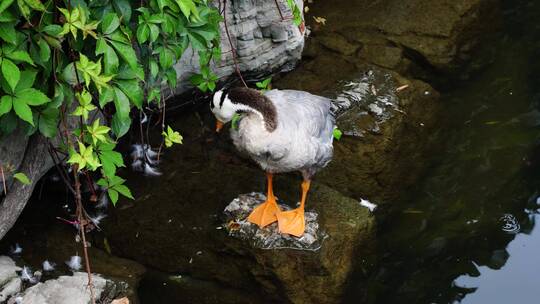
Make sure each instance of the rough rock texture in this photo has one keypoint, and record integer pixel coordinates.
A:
(439, 35)
(264, 42)
(64, 290)
(57, 244)
(10, 284)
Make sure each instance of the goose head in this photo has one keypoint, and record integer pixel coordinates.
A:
(223, 108)
(243, 100)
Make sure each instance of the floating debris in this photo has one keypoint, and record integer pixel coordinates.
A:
(401, 88)
(74, 263)
(48, 266)
(27, 276)
(368, 204)
(16, 250)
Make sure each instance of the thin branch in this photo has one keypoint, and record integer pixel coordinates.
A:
(3, 179)
(279, 10)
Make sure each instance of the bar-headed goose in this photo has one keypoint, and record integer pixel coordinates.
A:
(283, 131)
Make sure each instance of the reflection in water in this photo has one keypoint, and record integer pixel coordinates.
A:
(515, 282)
(466, 236)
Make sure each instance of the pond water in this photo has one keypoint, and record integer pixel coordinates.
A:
(468, 233)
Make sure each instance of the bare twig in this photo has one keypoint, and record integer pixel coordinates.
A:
(82, 224)
(279, 9)
(237, 68)
(3, 179)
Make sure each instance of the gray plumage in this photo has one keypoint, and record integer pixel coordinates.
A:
(302, 140)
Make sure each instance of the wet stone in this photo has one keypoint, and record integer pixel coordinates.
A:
(269, 237)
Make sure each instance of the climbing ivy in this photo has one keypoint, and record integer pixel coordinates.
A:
(97, 62)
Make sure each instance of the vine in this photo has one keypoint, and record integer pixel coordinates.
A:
(77, 71)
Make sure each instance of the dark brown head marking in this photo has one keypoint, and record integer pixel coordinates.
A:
(257, 101)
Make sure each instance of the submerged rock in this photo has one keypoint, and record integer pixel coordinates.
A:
(441, 35)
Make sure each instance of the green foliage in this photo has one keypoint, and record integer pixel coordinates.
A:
(62, 59)
(264, 85)
(22, 178)
(297, 14)
(171, 137)
(337, 133)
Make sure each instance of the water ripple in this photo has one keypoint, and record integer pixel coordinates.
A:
(509, 223)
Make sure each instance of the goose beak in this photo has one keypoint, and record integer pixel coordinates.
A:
(219, 125)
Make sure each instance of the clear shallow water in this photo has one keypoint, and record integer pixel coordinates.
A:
(468, 234)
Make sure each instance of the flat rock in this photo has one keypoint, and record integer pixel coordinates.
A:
(64, 290)
(10, 284)
(269, 237)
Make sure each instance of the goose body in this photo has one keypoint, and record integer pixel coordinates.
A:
(283, 131)
(301, 141)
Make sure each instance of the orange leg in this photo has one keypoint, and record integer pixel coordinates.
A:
(265, 213)
(292, 222)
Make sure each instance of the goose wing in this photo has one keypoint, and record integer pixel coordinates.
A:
(307, 112)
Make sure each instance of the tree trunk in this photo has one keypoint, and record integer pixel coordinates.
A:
(35, 163)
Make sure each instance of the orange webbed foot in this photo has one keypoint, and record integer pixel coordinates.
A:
(292, 222)
(265, 213)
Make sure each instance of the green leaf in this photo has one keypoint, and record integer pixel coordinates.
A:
(123, 8)
(106, 96)
(24, 9)
(154, 68)
(121, 102)
(133, 90)
(127, 53)
(143, 32)
(122, 189)
(120, 125)
(154, 32)
(110, 59)
(7, 33)
(110, 161)
(53, 30)
(166, 57)
(22, 178)
(113, 195)
(48, 122)
(35, 4)
(188, 7)
(11, 73)
(5, 4)
(110, 23)
(32, 97)
(27, 80)
(44, 50)
(7, 16)
(337, 133)
(23, 111)
(20, 56)
(6, 103)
